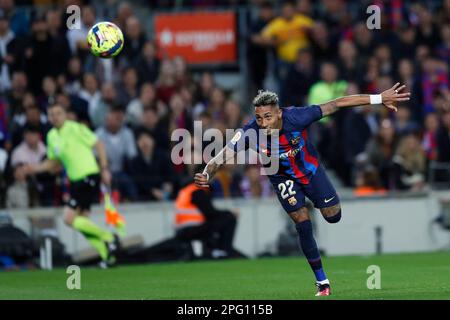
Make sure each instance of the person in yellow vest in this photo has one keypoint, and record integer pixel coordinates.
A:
(197, 218)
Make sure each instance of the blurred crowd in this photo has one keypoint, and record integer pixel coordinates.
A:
(316, 51)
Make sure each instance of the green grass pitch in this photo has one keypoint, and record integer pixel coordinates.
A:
(403, 276)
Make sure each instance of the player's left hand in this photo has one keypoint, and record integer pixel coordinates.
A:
(392, 96)
(201, 180)
(106, 177)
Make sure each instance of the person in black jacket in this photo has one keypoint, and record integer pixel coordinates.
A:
(151, 170)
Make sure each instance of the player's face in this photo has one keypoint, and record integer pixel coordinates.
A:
(57, 116)
(268, 118)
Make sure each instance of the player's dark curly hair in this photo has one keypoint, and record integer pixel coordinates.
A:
(265, 98)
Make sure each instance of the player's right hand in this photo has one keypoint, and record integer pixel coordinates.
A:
(201, 180)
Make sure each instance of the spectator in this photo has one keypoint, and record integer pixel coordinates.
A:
(74, 76)
(31, 150)
(124, 12)
(182, 76)
(406, 45)
(77, 37)
(216, 104)
(364, 40)
(257, 55)
(15, 96)
(205, 87)
(49, 91)
(8, 57)
(166, 83)
(134, 38)
(150, 123)
(60, 51)
(120, 148)
(37, 58)
(90, 92)
(254, 185)
(288, 33)
(409, 164)
(17, 195)
(443, 139)
(444, 12)
(349, 65)
(359, 126)
(33, 118)
(443, 49)
(178, 117)
(147, 63)
(301, 76)
(385, 60)
(329, 87)
(429, 141)
(434, 78)
(151, 170)
(406, 74)
(380, 151)
(146, 99)
(19, 21)
(233, 116)
(129, 86)
(102, 106)
(427, 31)
(403, 122)
(3, 163)
(323, 47)
(4, 132)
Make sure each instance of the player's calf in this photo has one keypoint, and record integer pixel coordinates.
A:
(332, 214)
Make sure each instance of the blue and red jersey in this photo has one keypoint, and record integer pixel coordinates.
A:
(298, 158)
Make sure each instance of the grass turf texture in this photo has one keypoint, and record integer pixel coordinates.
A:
(403, 276)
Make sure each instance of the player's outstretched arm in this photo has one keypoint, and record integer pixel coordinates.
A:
(388, 98)
(202, 179)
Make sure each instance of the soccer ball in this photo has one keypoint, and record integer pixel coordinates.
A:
(105, 40)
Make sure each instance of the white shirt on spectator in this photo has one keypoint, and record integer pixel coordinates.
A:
(119, 146)
(23, 154)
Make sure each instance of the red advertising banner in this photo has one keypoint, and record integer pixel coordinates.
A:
(199, 37)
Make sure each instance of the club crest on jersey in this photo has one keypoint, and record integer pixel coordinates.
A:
(292, 201)
(295, 141)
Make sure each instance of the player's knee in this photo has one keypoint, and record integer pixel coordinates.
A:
(334, 218)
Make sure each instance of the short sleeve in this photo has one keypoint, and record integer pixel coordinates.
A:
(304, 116)
(269, 31)
(87, 136)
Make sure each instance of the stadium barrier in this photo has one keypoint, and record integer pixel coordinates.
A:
(392, 224)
